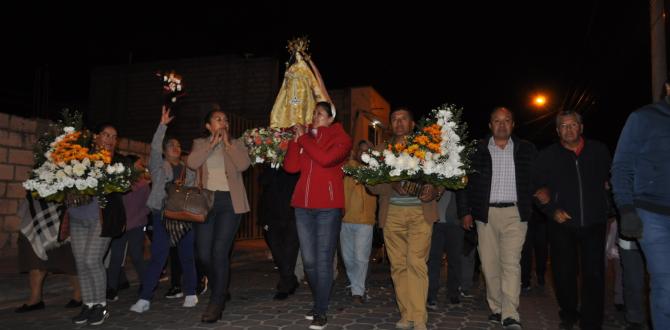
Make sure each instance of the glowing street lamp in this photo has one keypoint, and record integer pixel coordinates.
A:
(539, 100)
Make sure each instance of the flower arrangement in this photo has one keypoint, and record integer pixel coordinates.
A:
(172, 86)
(68, 167)
(267, 145)
(435, 153)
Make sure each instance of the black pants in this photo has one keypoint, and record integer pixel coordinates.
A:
(535, 244)
(447, 237)
(284, 245)
(586, 246)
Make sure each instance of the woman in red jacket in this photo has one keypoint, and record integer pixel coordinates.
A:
(318, 199)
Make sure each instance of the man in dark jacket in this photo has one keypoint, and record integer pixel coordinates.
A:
(573, 173)
(641, 181)
(499, 199)
(277, 218)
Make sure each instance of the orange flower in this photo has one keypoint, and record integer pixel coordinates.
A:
(420, 154)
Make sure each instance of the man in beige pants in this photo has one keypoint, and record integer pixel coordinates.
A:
(408, 225)
(499, 200)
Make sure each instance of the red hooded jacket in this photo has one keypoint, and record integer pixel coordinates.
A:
(319, 159)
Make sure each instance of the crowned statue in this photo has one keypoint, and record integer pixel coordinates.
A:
(301, 89)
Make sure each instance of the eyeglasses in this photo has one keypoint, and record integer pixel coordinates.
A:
(566, 126)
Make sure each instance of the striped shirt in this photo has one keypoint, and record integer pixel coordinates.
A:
(503, 178)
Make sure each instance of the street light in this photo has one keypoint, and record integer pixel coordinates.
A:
(539, 100)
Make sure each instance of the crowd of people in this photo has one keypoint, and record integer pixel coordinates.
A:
(517, 201)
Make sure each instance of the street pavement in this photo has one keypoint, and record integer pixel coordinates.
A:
(252, 307)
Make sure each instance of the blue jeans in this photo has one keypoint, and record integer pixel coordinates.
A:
(160, 249)
(355, 245)
(214, 240)
(317, 231)
(655, 243)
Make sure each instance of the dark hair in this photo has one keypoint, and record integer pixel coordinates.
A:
(132, 159)
(501, 108)
(402, 108)
(213, 108)
(167, 139)
(101, 127)
(326, 106)
(361, 142)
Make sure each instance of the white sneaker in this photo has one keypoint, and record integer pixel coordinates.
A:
(190, 301)
(140, 306)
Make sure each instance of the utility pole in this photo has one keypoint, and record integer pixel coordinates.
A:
(658, 59)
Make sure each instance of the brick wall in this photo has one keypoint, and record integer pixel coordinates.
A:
(17, 138)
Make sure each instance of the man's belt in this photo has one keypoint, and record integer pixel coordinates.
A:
(502, 204)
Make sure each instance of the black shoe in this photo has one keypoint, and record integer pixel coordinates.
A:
(620, 307)
(495, 317)
(213, 313)
(174, 292)
(98, 315)
(280, 296)
(30, 308)
(82, 318)
(511, 324)
(454, 301)
(112, 295)
(73, 303)
(292, 289)
(319, 322)
(432, 305)
(310, 315)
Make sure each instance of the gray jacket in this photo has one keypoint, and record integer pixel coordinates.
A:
(161, 171)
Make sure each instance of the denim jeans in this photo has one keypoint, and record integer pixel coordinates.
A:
(160, 249)
(318, 230)
(655, 243)
(214, 240)
(355, 246)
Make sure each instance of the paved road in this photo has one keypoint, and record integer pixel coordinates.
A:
(252, 306)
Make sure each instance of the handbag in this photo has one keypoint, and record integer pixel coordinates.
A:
(188, 203)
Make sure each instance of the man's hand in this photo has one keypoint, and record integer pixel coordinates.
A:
(468, 222)
(165, 116)
(397, 186)
(428, 193)
(631, 224)
(299, 130)
(561, 216)
(543, 195)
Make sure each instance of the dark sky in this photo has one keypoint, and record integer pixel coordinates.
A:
(592, 56)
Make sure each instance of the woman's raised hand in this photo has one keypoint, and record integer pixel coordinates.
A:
(165, 116)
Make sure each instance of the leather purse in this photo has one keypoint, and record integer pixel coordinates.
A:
(188, 203)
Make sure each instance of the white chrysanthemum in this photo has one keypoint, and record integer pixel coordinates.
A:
(78, 169)
(68, 182)
(92, 182)
(60, 175)
(68, 129)
(376, 153)
(259, 160)
(110, 169)
(86, 162)
(99, 164)
(67, 169)
(365, 157)
(80, 184)
(119, 168)
(374, 164)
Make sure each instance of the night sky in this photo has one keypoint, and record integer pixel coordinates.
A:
(592, 56)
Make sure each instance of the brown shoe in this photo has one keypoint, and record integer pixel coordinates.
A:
(212, 313)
